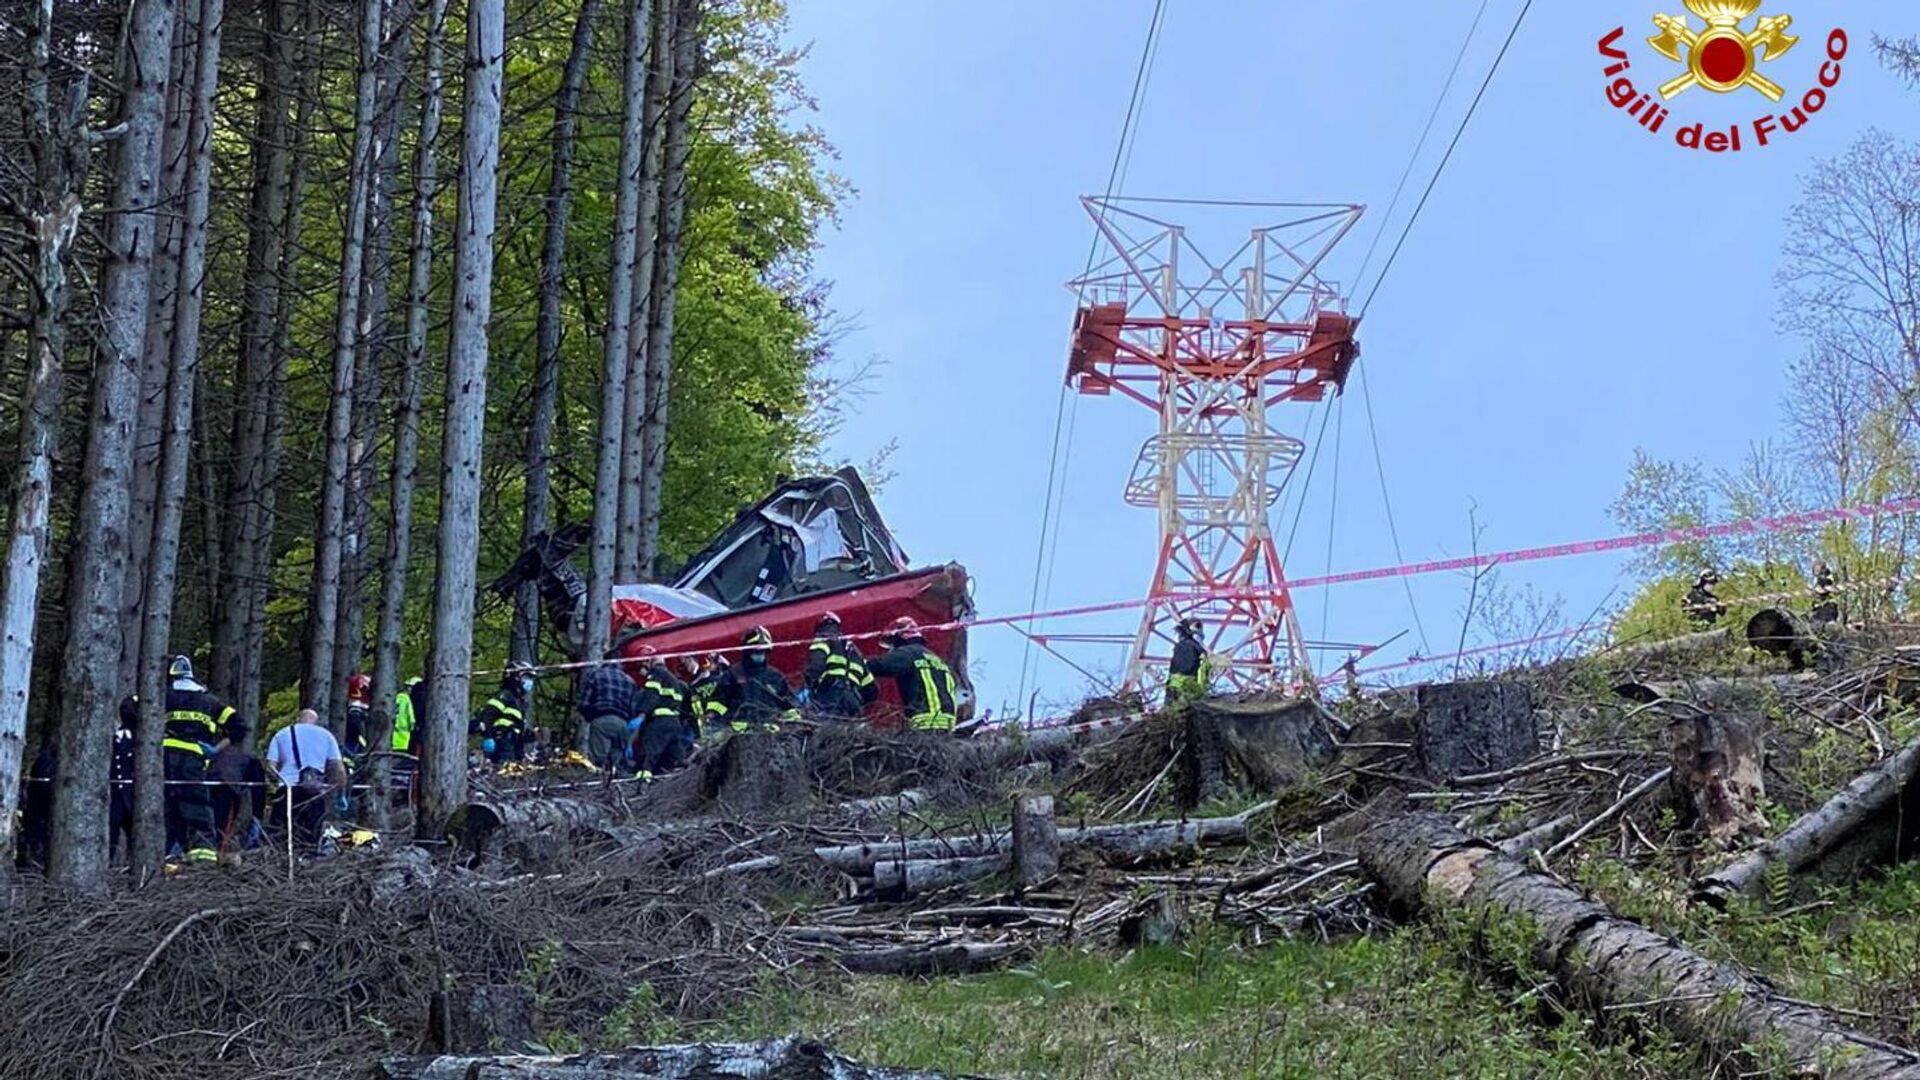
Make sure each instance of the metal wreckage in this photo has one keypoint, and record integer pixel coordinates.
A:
(814, 545)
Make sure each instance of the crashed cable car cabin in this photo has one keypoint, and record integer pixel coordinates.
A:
(815, 545)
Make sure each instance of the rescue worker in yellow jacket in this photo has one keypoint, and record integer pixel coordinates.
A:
(928, 689)
(1190, 675)
(502, 722)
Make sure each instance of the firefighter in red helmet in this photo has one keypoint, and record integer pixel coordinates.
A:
(928, 690)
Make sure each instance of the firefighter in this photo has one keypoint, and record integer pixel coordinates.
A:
(1190, 675)
(1701, 605)
(1825, 608)
(502, 722)
(195, 720)
(709, 701)
(657, 743)
(754, 694)
(927, 686)
(839, 686)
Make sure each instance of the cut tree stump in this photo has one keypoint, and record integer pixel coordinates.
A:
(1154, 920)
(1258, 743)
(1781, 633)
(1607, 963)
(1036, 843)
(1869, 822)
(761, 774)
(1717, 781)
(1472, 727)
(790, 1058)
(481, 1018)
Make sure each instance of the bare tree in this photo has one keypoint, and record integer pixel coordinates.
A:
(443, 775)
(91, 673)
(317, 689)
(1851, 282)
(548, 324)
(606, 483)
(406, 416)
(660, 71)
(1902, 57)
(183, 363)
(56, 114)
(666, 279)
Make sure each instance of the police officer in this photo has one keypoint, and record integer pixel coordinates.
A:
(195, 720)
(926, 684)
(502, 722)
(755, 695)
(1190, 675)
(839, 686)
(662, 713)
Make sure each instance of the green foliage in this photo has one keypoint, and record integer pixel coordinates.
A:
(1657, 610)
(1395, 1005)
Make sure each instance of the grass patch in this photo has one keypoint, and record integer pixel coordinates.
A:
(1397, 1005)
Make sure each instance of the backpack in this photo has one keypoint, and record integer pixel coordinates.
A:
(311, 782)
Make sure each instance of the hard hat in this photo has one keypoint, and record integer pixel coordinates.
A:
(758, 636)
(689, 663)
(645, 652)
(1190, 625)
(719, 660)
(180, 668)
(827, 618)
(904, 629)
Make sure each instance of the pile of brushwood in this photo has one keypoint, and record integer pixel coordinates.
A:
(569, 922)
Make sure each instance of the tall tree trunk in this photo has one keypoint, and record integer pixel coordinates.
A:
(549, 327)
(253, 654)
(406, 418)
(664, 293)
(245, 567)
(211, 516)
(632, 453)
(55, 134)
(90, 684)
(369, 372)
(443, 772)
(169, 503)
(606, 479)
(317, 687)
(159, 320)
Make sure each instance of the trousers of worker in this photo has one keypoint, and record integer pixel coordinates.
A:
(189, 803)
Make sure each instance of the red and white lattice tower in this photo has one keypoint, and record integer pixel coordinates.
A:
(1212, 347)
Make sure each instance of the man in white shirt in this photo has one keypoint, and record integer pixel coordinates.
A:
(306, 757)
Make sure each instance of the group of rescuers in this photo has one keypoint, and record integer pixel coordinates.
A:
(641, 724)
(1704, 606)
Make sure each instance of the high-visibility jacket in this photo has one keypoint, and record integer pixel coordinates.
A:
(1190, 676)
(503, 714)
(927, 685)
(194, 718)
(838, 682)
(664, 697)
(756, 695)
(709, 707)
(403, 716)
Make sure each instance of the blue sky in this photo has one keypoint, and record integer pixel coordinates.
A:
(1575, 288)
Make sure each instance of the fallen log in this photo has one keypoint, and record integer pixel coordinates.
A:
(1128, 839)
(483, 825)
(960, 958)
(790, 1058)
(1869, 798)
(914, 876)
(1606, 962)
(1684, 644)
(886, 806)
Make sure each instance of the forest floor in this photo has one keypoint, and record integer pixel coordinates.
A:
(695, 910)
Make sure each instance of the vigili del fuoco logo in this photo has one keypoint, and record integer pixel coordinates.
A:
(1726, 56)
